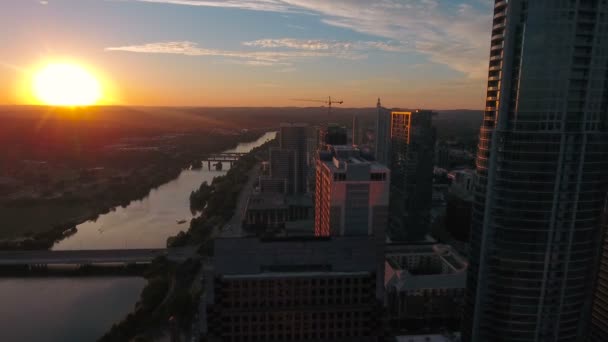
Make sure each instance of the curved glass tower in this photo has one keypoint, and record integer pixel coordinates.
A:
(542, 172)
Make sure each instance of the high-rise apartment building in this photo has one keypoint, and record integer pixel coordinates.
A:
(383, 135)
(294, 137)
(412, 161)
(599, 314)
(541, 173)
(352, 194)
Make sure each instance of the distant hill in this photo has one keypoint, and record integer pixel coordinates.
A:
(21, 126)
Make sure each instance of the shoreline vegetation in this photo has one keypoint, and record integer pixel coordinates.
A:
(135, 187)
(167, 294)
(171, 291)
(217, 201)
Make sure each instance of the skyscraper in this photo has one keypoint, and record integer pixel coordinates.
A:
(293, 137)
(411, 160)
(383, 134)
(541, 165)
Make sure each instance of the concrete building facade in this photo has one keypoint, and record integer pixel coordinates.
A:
(352, 194)
(298, 289)
(424, 287)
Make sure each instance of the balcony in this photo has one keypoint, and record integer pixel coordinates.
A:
(498, 37)
(500, 14)
(502, 3)
(495, 68)
(492, 98)
(495, 47)
(499, 26)
(492, 88)
(495, 58)
(494, 78)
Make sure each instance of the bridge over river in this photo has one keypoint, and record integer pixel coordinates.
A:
(94, 257)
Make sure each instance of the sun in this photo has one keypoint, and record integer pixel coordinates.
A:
(65, 84)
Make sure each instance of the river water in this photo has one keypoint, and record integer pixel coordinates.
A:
(148, 222)
(82, 309)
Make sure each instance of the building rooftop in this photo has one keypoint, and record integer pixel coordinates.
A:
(266, 200)
(425, 266)
(249, 256)
(342, 157)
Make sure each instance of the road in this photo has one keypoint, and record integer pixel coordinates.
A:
(234, 227)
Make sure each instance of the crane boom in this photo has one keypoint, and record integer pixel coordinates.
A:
(328, 102)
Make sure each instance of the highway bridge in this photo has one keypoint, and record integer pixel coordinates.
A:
(229, 157)
(93, 257)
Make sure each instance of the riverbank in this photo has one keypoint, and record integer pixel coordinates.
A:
(181, 295)
(56, 218)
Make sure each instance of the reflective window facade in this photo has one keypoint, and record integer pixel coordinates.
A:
(542, 160)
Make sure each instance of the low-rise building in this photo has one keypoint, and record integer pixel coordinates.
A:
(424, 287)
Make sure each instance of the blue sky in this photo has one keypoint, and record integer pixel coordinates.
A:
(411, 53)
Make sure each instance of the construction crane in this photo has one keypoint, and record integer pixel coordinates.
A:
(328, 102)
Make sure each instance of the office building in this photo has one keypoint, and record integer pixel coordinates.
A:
(412, 160)
(294, 138)
(424, 287)
(383, 135)
(294, 289)
(541, 173)
(352, 194)
(599, 314)
(281, 165)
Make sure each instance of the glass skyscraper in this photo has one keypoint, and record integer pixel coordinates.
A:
(542, 170)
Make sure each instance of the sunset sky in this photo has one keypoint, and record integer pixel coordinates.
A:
(411, 53)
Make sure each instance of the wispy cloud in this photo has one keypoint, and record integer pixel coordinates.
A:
(453, 33)
(253, 5)
(254, 58)
(324, 45)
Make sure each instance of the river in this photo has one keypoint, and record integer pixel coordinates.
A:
(82, 309)
(148, 222)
